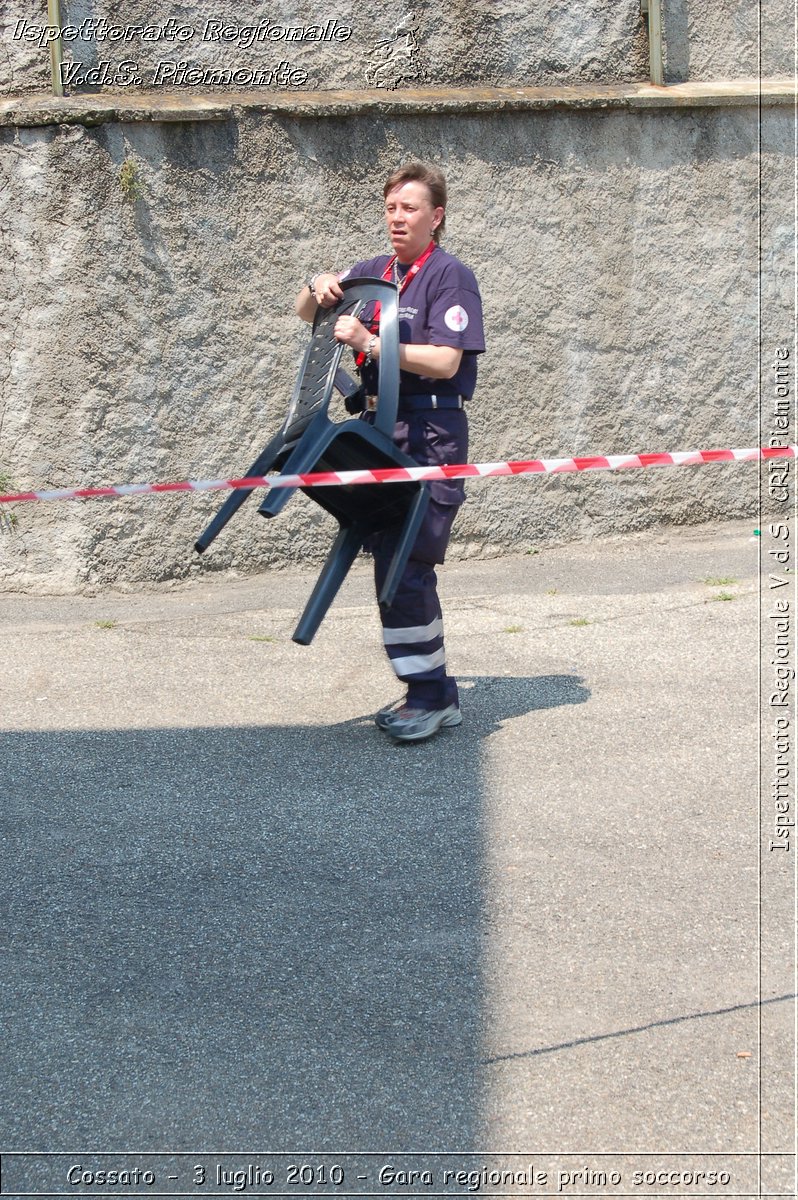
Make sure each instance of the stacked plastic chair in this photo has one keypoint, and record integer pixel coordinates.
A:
(310, 441)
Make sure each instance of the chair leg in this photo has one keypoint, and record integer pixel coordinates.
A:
(303, 457)
(403, 548)
(339, 560)
(261, 466)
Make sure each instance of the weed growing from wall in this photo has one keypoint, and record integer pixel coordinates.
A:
(8, 520)
(130, 181)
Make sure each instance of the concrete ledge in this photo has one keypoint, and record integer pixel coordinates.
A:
(98, 109)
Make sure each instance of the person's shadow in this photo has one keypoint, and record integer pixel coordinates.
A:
(249, 937)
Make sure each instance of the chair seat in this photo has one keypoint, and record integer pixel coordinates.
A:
(355, 446)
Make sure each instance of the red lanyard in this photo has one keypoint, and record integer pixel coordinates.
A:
(374, 323)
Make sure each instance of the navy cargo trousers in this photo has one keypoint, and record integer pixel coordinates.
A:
(412, 628)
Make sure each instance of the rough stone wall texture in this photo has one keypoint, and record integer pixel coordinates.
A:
(728, 39)
(148, 331)
(436, 42)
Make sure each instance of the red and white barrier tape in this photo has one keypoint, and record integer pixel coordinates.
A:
(534, 466)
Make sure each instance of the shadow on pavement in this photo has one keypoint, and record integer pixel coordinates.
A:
(232, 937)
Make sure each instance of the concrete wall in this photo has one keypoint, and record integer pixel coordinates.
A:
(148, 330)
(444, 44)
(726, 39)
(149, 264)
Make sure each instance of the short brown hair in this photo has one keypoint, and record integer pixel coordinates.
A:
(433, 179)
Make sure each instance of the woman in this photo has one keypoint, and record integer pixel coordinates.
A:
(440, 330)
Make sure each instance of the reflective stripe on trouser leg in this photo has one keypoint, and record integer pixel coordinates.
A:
(412, 631)
(415, 649)
(412, 626)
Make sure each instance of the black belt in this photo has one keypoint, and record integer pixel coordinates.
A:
(423, 402)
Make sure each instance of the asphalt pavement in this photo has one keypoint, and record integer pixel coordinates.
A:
(241, 918)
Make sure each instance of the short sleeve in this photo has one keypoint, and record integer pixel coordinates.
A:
(455, 312)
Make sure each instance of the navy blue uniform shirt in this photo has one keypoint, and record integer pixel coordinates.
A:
(440, 306)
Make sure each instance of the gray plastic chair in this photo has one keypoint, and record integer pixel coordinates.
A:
(309, 441)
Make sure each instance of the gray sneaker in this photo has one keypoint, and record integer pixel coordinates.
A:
(384, 717)
(416, 724)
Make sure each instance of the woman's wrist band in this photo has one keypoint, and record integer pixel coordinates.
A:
(372, 342)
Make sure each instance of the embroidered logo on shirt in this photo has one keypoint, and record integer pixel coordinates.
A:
(407, 314)
(456, 318)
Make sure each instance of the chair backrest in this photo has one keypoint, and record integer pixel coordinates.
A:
(316, 380)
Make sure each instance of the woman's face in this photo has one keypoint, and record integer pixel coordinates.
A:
(411, 220)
